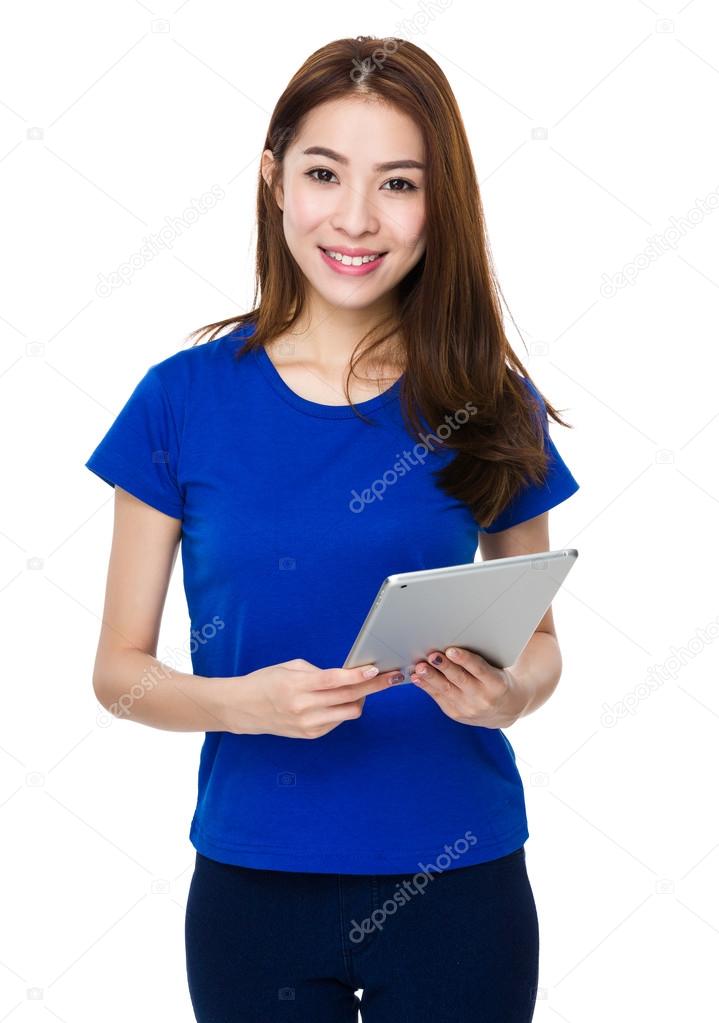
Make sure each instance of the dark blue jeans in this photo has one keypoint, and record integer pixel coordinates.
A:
(459, 945)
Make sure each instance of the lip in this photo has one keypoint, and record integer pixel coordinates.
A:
(352, 271)
(351, 252)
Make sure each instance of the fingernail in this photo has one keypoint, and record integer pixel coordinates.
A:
(396, 678)
(437, 659)
(371, 672)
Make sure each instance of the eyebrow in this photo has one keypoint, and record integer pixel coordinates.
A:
(379, 167)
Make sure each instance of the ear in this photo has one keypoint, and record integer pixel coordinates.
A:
(268, 170)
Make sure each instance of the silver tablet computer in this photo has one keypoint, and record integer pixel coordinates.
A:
(489, 607)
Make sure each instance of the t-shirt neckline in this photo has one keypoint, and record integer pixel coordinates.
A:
(314, 408)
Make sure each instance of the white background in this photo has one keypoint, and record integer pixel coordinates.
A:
(593, 128)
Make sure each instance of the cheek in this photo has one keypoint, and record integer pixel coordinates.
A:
(304, 212)
(411, 233)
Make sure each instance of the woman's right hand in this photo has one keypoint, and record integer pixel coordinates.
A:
(297, 699)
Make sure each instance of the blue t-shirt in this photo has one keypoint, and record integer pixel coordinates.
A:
(282, 556)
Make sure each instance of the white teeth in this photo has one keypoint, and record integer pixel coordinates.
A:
(350, 260)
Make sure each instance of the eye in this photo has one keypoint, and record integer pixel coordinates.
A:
(319, 170)
(411, 188)
(326, 170)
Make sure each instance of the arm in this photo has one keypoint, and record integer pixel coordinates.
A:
(128, 679)
(539, 666)
(538, 669)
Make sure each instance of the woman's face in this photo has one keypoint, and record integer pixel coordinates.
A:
(339, 199)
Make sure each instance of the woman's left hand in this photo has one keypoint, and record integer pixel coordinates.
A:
(469, 689)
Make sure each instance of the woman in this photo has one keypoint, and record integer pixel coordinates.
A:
(349, 834)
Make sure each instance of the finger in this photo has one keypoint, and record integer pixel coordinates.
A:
(433, 682)
(441, 672)
(334, 678)
(467, 659)
(354, 690)
(477, 668)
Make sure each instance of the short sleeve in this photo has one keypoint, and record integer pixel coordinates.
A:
(534, 499)
(140, 451)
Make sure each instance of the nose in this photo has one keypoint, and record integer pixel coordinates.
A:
(355, 213)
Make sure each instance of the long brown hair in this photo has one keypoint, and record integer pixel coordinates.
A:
(455, 351)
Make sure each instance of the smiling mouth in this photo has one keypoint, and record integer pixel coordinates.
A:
(375, 254)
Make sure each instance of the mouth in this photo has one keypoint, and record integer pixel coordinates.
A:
(352, 266)
(346, 260)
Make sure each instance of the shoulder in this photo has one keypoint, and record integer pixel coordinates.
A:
(196, 366)
(528, 385)
(535, 398)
